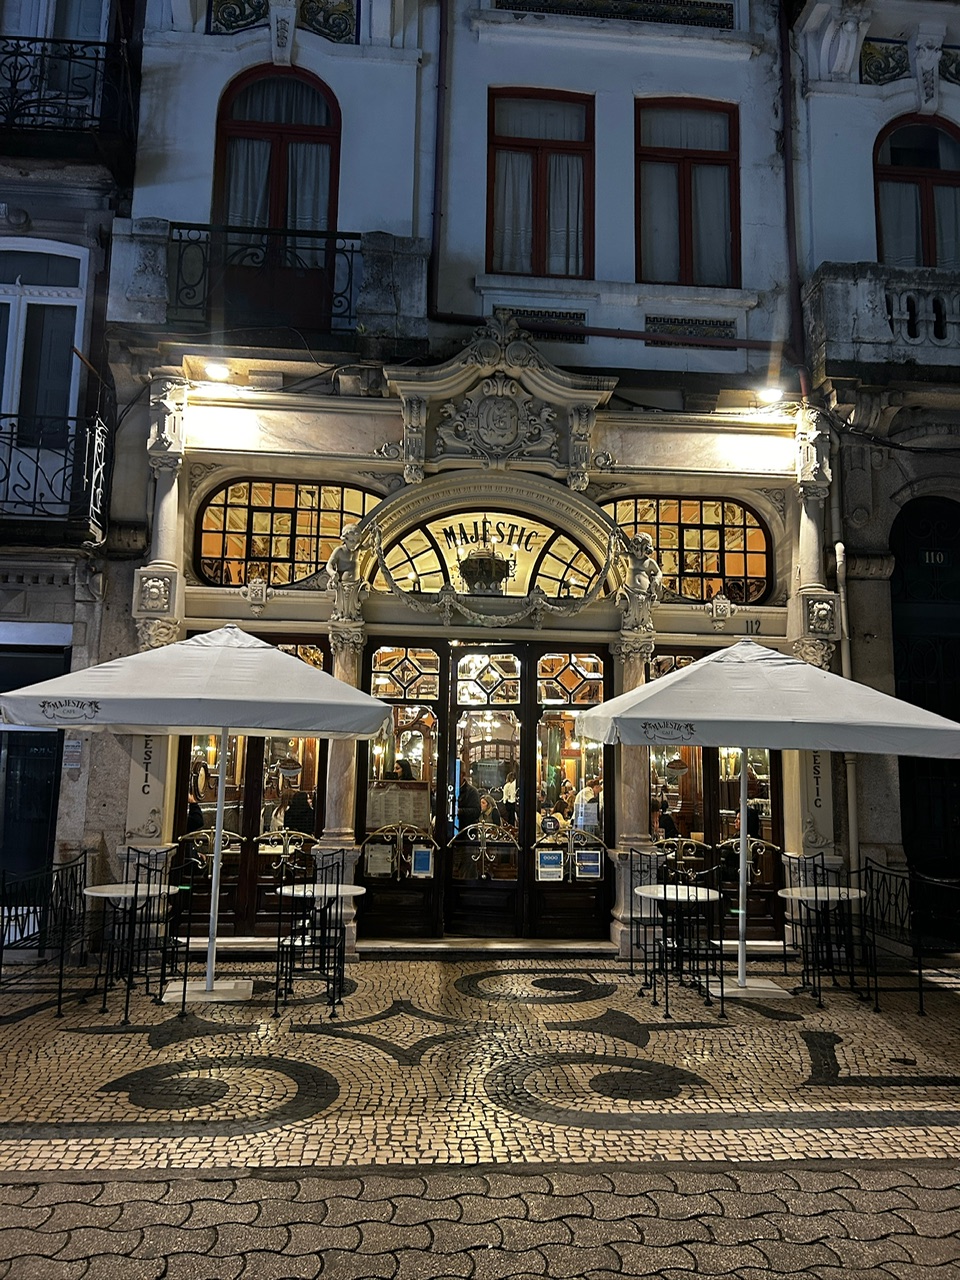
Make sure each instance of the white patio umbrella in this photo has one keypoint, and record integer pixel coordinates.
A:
(222, 682)
(752, 694)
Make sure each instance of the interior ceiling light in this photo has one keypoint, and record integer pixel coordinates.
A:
(217, 372)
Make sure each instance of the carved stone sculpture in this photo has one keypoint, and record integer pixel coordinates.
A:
(348, 590)
(643, 586)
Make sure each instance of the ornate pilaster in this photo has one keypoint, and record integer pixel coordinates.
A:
(414, 438)
(815, 611)
(583, 418)
(158, 586)
(346, 641)
(927, 53)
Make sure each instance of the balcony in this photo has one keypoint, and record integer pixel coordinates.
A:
(67, 99)
(238, 278)
(53, 480)
(874, 323)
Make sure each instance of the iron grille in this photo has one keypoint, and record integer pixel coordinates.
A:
(65, 85)
(54, 470)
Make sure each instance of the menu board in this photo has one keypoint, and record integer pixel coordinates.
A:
(392, 803)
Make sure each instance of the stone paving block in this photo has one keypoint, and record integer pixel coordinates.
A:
(378, 1237)
(789, 1257)
(878, 1201)
(803, 1230)
(82, 1213)
(17, 1242)
(544, 1208)
(407, 1211)
(936, 1252)
(113, 1267)
(946, 1222)
(143, 1213)
(216, 1213)
(485, 1209)
(325, 1189)
(763, 1180)
(501, 1264)
(813, 1203)
(747, 1204)
(16, 1194)
(676, 1205)
(128, 1190)
(424, 1266)
(653, 1260)
(931, 1199)
(715, 1260)
(338, 1265)
(517, 1234)
(273, 1266)
(566, 1262)
(507, 1185)
(25, 1216)
(457, 1237)
(193, 1266)
(872, 1253)
(734, 1229)
(921, 1271)
(54, 1192)
(614, 1206)
(92, 1242)
(576, 1184)
(234, 1238)
(32, 1267)
(277, 1213)
(158, 1240)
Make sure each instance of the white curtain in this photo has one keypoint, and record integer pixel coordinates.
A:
(513, 212)
(946, 202)
(685, 129)
(248, 180)
(564, 215)
(513, 230)
(711, 225)
(900, 224)
(659, 222)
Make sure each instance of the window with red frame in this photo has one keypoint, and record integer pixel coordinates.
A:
(687, 194)
(540, 201)
(918, 196)
(279, 152)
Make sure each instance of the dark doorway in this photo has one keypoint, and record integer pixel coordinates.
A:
(925, 599)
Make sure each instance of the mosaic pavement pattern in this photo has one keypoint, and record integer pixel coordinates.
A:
(486, 1118)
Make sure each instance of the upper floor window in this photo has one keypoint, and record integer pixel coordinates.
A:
(540, 184)
(41, 325)
(687, 194)
(279, 153)
(918, 196)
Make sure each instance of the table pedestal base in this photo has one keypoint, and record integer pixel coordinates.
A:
(224, 991)
(756, 989)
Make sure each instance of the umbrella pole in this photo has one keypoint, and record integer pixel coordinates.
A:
(217, 859)
(742, 918)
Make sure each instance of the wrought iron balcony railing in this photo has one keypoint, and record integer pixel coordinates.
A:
(53, 478)
(247, 278)
(71, 86)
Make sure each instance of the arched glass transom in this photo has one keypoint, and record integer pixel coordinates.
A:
(704, 546)
(281, 531)
(532, 553)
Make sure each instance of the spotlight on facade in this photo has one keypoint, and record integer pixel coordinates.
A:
(217, 372)
(770, 395)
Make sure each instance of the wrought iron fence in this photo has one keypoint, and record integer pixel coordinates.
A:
(336, 20)
(72, 85)
(242, 277)
(55, 469)
(43, 914)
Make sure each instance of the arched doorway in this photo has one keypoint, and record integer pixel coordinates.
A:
(925, 601)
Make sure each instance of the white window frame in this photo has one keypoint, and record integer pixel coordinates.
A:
(19, 297)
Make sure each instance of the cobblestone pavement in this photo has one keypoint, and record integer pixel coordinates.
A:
(485, 1118)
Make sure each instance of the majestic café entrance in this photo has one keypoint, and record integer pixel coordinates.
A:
(487, 731)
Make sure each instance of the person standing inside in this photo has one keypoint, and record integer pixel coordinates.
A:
(468, 803)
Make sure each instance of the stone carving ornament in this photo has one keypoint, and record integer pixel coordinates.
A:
(497, 421)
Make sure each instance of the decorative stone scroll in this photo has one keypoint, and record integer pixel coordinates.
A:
(497, 405)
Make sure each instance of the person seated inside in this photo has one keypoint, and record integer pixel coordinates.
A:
(489, 811)
(562, 811)
(668, 828)
(299, 815)
(753, 822)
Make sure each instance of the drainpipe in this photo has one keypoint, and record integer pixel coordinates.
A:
(846, 665)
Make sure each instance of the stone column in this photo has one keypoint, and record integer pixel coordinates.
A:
(634, 649)
(346, 640)
(158, 587)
